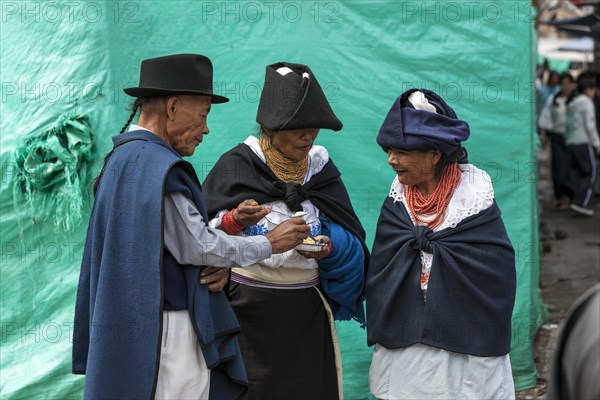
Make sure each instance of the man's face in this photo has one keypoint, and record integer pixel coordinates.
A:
(187, 124)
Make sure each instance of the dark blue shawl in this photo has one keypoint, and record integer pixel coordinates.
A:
(240, 174)
(118, 313)
(470, 295)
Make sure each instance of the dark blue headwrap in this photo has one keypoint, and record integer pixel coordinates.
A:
(406, 128)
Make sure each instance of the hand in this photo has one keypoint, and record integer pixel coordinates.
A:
(215, 278)
(249, 212)
(317, 255)
(287, 235)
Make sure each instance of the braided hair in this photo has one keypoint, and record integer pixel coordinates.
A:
(139, 103)
(134, 108)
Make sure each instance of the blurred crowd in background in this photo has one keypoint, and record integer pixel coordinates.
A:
(568, 99)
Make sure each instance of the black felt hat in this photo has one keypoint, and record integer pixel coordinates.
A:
(293, 99)
(190, 74)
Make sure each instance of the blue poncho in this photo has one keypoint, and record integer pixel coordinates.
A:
(118, 314)
(470, 294)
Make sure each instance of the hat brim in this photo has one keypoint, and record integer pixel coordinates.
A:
(146, 92)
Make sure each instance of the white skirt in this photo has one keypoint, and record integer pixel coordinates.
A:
(424, 372)
(183, 373)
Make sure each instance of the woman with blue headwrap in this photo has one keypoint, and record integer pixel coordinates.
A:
(441, 281)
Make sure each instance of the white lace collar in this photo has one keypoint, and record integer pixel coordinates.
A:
(473, 194)
(317, 156)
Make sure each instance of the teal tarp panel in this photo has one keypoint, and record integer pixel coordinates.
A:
(74, 58)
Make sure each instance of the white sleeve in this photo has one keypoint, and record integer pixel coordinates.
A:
(590, 124)
(288, 259)
(216, 221)
(545, 118)
(191, 241)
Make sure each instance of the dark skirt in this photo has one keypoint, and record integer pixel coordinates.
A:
(286, 343)
(561, 176)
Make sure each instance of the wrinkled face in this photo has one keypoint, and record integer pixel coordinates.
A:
(186, 124)
(413, 167)
(295, 143)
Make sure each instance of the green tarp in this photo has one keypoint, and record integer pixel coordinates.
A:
(61, 59)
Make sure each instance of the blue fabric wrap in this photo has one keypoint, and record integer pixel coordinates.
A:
(119, 304)
(408, 129)
(342, 273)
(471, 290)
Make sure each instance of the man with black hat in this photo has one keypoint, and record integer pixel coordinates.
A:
(150, 320)
(287, 304)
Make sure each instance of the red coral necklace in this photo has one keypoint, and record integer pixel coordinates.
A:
(436, 202)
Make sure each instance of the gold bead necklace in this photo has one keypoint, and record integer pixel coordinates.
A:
(284, 168)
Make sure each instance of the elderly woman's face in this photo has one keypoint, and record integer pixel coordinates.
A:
(414, 167)
(295, 143)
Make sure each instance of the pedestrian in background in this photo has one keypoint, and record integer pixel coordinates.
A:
(583, 144)
(552, 124)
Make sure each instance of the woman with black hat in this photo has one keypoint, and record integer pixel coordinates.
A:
(441, 282)
(286, 304)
